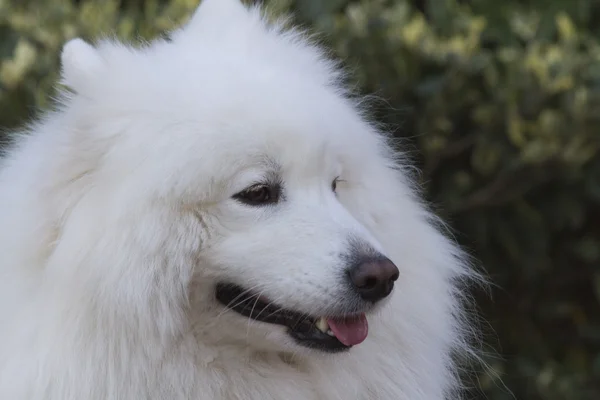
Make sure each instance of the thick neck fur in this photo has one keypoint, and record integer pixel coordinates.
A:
(128, 363)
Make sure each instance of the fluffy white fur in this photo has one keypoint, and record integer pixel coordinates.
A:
(116, 221)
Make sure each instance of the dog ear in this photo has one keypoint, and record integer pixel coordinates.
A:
(213, 17)
(80, 62)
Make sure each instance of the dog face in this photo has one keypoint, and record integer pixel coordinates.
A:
(280, 244)
(248, 165)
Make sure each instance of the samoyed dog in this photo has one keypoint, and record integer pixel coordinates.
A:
(212, 216)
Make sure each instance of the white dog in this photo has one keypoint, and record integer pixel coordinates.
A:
(212, 217)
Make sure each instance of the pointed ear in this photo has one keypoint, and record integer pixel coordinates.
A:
(80, 62)
(215, 16)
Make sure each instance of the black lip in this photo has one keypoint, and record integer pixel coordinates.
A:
(301, 327)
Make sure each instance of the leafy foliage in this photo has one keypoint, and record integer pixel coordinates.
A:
(497, 101)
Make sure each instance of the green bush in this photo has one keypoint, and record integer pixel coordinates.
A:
(499, 104)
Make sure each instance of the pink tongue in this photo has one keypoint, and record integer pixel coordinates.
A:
(350, 331)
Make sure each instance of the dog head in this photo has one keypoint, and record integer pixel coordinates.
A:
(224, 179)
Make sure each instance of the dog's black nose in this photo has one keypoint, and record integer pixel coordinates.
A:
(374, 278)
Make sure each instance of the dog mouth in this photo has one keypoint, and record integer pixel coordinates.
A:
(329, 334)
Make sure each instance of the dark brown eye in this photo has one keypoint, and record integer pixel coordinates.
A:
(259, 195)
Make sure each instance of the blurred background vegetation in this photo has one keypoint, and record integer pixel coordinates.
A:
(499, 103)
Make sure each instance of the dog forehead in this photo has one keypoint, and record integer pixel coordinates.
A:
(295, 123)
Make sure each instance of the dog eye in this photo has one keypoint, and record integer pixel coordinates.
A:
(259, 195)
(334, 184)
